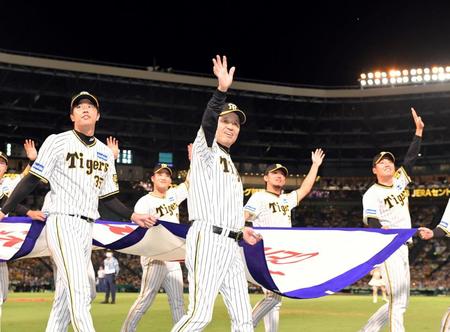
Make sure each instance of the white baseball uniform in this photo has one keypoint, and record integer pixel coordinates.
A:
(60, 317)
(270, 210)
(7, 185)
(213, 260)
(445, 226)
(389, 204)
(156, 273)
(79, 174)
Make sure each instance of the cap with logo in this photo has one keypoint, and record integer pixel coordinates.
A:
(275, 167)
(232, 108)
(383, 155)
(84, 95)
(160, 167)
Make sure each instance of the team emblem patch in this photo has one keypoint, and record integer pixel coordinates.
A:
(102, 156)
(38, 167)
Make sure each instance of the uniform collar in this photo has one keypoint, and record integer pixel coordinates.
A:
(224, 148)
(272, 193)
(86, 140)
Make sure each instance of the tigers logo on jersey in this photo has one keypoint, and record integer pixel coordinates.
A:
(275, 207)
(392, 200)
(76, 160)
(166, 209)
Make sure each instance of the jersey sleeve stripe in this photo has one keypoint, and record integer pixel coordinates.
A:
(447, 232)
(402, 169)
(39, 176)
(109, 194)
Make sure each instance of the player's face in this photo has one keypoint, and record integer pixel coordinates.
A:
(84, 115)
(228, 129)
(3, 167)
(384, 169)
(275, 179)
(162, 180)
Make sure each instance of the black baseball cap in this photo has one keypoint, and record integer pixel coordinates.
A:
(230, 108)
(160, 167)
(84, 95)
(383, 155)
(275, 167)
(4, 156)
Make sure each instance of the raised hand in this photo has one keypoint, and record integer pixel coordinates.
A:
(418, 122)
(220, 69)
(113, 144)
(189, 149)
(317, 157)
(30, 149)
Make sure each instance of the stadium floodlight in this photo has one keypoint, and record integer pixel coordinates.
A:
(395, 76)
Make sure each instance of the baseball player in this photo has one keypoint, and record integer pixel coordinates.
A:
(7, 185)
(385, 205)
(163, 203)
(80, 170)
(215, 204)
(441, 230)
(272, 208)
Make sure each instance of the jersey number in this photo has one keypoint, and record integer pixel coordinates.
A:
(98, 181)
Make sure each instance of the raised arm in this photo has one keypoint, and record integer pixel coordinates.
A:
(414, 147)
(113, 145)
(307, 184)
(31, 152)
(215, 104)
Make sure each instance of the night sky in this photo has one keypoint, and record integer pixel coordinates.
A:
(325, 43)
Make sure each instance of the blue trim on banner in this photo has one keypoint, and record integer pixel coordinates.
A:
(135, 236)
(335, 284)
(30, 239)
(255, 259)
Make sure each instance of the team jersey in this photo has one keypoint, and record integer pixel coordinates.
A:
(389, 204)
(7, 184)
(164, 208)
(445, 221)
(79, 173)
(270, 210)
(215, 187)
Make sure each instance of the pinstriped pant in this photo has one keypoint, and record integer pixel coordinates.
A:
(395, 273)
(157, 274)
(269, 309)
(445, 324)
(70, 243)
(4, 284)
(215, 265)
(60, 316)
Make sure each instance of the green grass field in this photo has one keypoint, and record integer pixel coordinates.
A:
(29, 312)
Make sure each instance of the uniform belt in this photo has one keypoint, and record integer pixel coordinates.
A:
(89, 220)
(237, 236)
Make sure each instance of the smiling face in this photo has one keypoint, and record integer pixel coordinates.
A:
(384, 171)
(275, 180)
(228, 128)
(84, 116)
(162, 180)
